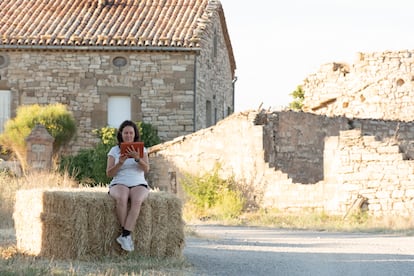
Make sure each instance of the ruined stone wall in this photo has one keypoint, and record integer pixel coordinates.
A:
(378, 85)
(295, 160)
(374, 170)
(297, 143)
(355, 167)
(235, 144)
(342, 159)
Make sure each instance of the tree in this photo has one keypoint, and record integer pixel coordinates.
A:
(57, 120)
(298, 97)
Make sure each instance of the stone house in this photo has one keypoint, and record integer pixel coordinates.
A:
(164, 62)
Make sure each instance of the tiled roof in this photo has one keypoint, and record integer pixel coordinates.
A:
(108, 24)
(146, 23)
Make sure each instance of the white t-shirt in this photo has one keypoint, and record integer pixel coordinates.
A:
(129, 174)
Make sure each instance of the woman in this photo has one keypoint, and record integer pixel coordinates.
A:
(128, 181)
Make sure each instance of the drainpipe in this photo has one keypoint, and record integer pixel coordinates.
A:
(233, 83)
(195, 95)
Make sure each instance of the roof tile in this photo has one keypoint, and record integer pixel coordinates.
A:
(160, 23)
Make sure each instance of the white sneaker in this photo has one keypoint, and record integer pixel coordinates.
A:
(126, 243)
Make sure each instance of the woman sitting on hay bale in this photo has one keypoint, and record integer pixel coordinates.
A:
(128, 183)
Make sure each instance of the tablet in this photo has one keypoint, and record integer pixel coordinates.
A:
(138, 146)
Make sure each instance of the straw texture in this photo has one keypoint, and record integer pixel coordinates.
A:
(81, 223)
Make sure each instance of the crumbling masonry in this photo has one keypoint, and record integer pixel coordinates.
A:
(354, 145)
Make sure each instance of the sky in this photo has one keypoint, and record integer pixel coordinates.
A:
(277, 44)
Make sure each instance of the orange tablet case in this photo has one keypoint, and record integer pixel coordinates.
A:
(138, 146)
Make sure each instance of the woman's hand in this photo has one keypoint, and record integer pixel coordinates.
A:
(131, 153)
(112, 167)
(122, 158)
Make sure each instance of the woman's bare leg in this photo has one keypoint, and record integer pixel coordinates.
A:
(120, 193)
(137, 195)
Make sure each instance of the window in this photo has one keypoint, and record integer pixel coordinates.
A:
(119, 62)
(119, 110)
(215, 44)
(5, 103)
(4, 61)
(208, 114)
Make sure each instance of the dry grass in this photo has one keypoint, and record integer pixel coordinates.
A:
(14, 263)
(310, 220)
(10, 185)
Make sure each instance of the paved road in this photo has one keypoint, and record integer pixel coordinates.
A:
(222, 250)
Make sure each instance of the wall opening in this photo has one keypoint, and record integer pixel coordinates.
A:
(400, 82)
(208, 114)
(5, 103)
(119, 110)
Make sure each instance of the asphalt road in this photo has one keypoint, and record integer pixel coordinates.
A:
(222, 250)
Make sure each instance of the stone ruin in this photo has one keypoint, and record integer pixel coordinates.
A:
(352, 147)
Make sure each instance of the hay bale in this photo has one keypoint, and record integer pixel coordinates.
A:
(143, 229)
(175, 236)
(27, 211)
(160, 225)
(81, 223)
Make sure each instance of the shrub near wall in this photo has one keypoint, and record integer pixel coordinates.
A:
(57, 120)
(211, 196)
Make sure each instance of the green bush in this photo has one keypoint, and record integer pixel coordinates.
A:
(149, 134)
(298, 98)
(213, 197)
(89, 165)
(57, 120)
(107, 135)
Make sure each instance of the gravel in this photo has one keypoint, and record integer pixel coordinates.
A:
(222, 250)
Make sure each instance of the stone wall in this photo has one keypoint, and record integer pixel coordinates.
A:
(295, 160)
(214, 80)
(85, 81)
(355, 167)
(39, 149)
(374, 170)
(295, 143)
(378, 85)
(236, 144)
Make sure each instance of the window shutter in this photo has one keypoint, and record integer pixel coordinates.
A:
(5, 103)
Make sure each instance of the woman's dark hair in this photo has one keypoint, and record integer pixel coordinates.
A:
(122, 126)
